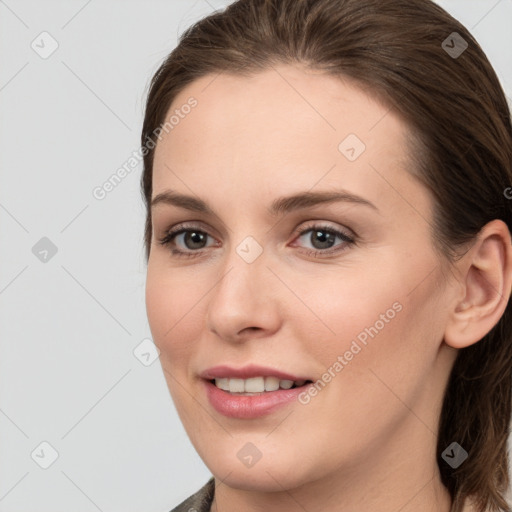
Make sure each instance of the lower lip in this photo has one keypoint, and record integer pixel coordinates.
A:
(248, 407)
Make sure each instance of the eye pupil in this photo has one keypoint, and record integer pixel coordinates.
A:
(195, 237)
(325, 238)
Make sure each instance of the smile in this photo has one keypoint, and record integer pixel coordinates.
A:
(251, 405)
(255, 385)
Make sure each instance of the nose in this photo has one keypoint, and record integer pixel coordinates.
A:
(244, 303)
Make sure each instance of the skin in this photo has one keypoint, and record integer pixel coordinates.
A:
(367, 440)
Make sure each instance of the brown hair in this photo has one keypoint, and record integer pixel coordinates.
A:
(461, 147)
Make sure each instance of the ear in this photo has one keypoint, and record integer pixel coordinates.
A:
(485, 282)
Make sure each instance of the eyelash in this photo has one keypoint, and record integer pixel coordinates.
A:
(167, 240)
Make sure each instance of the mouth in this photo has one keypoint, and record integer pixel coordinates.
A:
(253, 397)
(252, 391)
(256, 385)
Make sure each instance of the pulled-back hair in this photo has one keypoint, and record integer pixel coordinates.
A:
(460, 147)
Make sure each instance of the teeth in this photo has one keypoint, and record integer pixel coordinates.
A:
(286, 384)
(255, 384)
(222, 384)
(271, 383)
(236, 385)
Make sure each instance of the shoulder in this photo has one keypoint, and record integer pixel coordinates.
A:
(200, 501)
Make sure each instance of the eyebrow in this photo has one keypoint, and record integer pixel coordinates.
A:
(279, 206)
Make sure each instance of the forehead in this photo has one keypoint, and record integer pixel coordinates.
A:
(284, 127)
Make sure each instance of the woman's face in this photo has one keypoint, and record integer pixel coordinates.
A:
(364, 320)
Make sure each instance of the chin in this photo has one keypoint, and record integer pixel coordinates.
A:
(269, 476)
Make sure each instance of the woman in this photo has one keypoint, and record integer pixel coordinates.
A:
(329, 256)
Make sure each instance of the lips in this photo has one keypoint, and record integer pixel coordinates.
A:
(245, 407)
(236, 404)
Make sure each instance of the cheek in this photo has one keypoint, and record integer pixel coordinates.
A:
(346, 306)
(175, 313)
(375, 317)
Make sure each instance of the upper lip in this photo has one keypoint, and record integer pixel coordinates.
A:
(246, 372)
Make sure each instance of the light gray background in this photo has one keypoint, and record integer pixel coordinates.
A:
(68, 374)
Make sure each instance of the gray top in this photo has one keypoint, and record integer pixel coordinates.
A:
(201, 501)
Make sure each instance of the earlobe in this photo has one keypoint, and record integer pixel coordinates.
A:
(486, 279)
